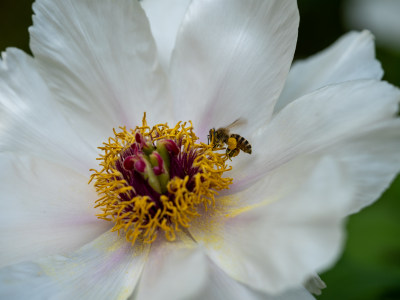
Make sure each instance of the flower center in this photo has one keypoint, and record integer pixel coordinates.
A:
(157, 179)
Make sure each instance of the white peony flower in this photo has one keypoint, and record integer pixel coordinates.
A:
(325, 143)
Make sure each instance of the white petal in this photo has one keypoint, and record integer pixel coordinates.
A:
(275, 184)
(107, 268)
(231, 60)
(351, 57)
(315, 284)
(31, 121)
(316, 121)
(293, 294)
(176, 272)
(220, 286)
(371, 160)
(173, 272)
(100, 59)
(381, 17)
(165, 18)
(277, 246)
(45, 209)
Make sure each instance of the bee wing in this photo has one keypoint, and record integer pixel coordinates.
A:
(238, 122)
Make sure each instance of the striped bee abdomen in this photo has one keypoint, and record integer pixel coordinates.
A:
(242, 143)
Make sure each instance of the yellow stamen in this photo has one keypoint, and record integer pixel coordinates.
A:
(137, 216)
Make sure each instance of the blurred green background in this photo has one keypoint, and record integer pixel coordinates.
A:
(369, 268)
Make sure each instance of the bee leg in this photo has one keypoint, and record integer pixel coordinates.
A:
(232, 152)
(235, 152)
(228, 153)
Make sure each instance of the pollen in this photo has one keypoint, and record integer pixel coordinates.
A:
(157, 180)
(232, 143)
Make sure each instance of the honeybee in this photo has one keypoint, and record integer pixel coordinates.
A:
(233, 141)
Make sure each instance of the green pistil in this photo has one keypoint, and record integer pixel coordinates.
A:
(160, 169)
(162, 150)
